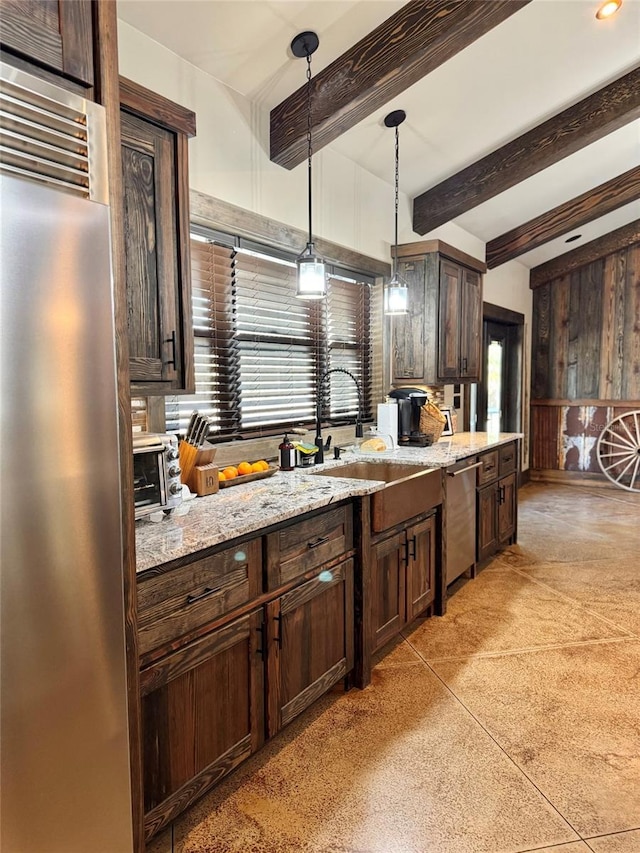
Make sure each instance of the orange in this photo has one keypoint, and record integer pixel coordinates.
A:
(244, 468)
(230, 473)
(221, 476)
(256, 467)
(264, 466)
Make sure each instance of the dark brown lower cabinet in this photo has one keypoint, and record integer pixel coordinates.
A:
(388, 571)
(497, 507)
(402, 569)
(507, 502)
(310, 640)
(487, 521)
(202, 715)
(421, 539)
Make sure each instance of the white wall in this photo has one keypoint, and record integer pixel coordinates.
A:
(229, 159)
(508, 286)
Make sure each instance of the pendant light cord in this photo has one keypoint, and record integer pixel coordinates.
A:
(395, 248)
(309, 148)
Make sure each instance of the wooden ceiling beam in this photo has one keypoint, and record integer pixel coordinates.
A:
(606, 245)
(565, 217)
(565, 133)
(418, 38)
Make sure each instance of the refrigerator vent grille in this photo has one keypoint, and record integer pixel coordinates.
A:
(44, 138)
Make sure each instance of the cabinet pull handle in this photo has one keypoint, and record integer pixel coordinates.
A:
(191, 599)
(319, 541)
(464, 470)
(503, 494)
(464, 365)
(278, 637)
(263, 640)
(415, 547)
(172, 341)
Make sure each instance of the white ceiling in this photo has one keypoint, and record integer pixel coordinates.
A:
(542, 59)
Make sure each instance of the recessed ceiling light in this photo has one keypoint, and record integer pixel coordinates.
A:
(608, 8)
(571, 239)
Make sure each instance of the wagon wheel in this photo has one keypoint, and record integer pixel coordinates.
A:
(618, 451)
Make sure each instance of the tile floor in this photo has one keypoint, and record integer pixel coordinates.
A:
(511, 724)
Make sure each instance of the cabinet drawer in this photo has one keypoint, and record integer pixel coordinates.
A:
(180, 601)
(508, 458)
(307, 544)
(489, 468)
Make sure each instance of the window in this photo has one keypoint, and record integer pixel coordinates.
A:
(260, 351)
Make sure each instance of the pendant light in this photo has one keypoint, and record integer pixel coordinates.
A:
(396, 292)
(311, 279)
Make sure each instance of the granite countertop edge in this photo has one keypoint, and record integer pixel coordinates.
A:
(244, 509)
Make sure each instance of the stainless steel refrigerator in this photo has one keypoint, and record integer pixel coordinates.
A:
(65, 783)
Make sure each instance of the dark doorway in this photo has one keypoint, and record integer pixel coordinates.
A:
(498, 403)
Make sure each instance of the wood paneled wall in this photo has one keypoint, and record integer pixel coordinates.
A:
(585, 358)
(586, 331)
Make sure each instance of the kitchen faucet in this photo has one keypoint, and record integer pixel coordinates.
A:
(318, 439)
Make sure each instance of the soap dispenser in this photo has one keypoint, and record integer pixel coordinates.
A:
(287, 454)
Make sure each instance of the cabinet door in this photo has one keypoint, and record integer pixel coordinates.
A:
(449, 320)
(408, 329)
(471, 325)
(151, 262)
(55, 35)
(202, 714)
(388, 572)
(310, 640)
(421, 567)
(507, 508)
(487, 521)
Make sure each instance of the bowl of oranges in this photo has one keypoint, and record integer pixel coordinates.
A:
(244, 472)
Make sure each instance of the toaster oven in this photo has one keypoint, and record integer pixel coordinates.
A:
(156, 473)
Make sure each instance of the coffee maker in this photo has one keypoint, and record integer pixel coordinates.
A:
(410, 402)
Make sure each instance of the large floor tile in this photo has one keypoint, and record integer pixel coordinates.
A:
(396, 652)
(569, 718)
(162, 843)
(400, 767)
(501, 611)
(623, 842)
(609, 588)
(571, 847)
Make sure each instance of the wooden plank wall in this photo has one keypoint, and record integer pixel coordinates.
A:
(585, 359)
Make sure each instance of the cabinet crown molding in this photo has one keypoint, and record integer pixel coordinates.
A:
(425, 247)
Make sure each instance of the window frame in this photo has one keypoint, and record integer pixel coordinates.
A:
(238, 244)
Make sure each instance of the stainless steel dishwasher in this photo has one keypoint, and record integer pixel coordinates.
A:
(460, 517)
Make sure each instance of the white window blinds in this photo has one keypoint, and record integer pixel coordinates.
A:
(260, 351)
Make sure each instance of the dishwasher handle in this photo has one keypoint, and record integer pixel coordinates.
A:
(464, 470)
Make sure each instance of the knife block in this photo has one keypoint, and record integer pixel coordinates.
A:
(190, 456)
(204, 479)
(206, 454)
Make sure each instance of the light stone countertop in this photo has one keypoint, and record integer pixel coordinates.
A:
(246, 508)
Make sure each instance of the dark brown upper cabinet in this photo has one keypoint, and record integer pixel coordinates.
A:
(155, 134)
(440, 338)
(54, 36)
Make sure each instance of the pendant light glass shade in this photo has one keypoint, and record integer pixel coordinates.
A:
(396, 292)
(311, 278)
(396, 296)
